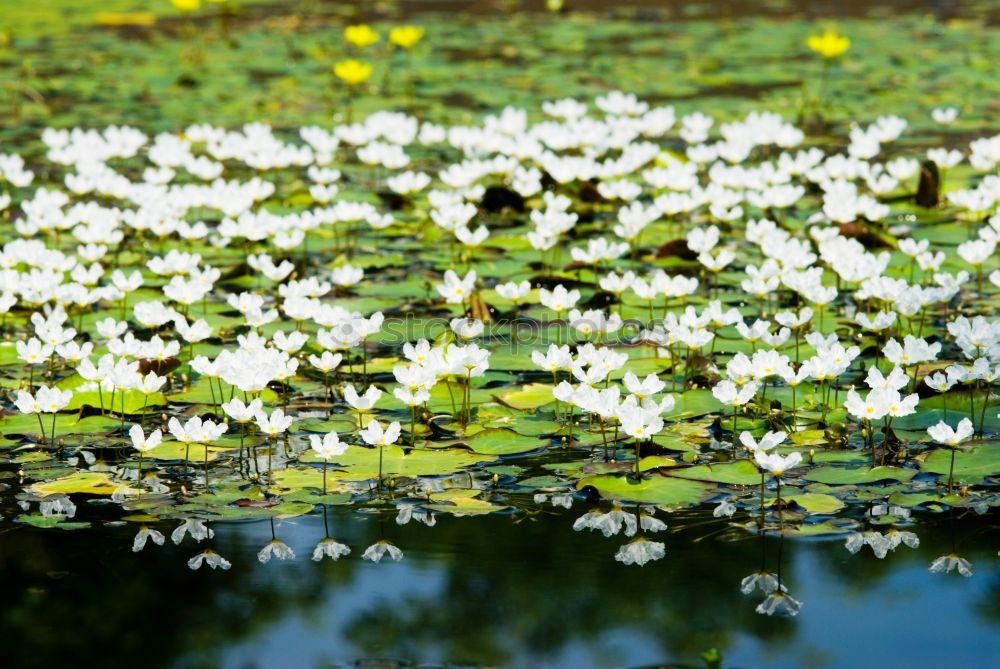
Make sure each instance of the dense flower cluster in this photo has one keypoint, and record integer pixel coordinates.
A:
(758, 264)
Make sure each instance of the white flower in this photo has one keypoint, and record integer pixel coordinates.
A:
(328, 446)
(944, 115)
(454, 289)
(143, 443)
(641, 389)
(766, 443)
(942, 433)
(559, 299)
(775, 463)
(240, 412)
(514, 291)
(375, 435)
(362, 402)
(467, 328)
(274, 424)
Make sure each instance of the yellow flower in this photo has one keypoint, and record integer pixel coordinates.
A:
(406, 36)
(186, 5)
(352, 72)
(829, 44)
(361, 35)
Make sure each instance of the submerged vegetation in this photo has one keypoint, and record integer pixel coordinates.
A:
(633, 305)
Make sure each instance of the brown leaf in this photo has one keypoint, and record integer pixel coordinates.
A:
(929, 191)
(677, 248)
(479, 309)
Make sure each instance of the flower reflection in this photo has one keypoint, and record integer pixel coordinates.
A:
(211, 558)
(565, 500)
(880, 543)
(193, 526)
(277, 549)
(649, 523)
(145, 534)
(608, 522)
(779, 602)
(765, 580)
(57, 505)
(327, 547)
(946, 563)
(408, 512)
(640, 551)
(377, 551)
(725, 508)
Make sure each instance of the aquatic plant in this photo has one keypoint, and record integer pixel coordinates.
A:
(613, 309)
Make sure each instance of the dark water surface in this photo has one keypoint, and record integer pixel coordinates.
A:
(491, 591)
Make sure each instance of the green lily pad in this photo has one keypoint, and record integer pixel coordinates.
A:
(91, 483)
(38, 520)
(741, 472)
(844, 475)
(359, 463)
(971, 466)
(503, 442)
(815, 502)
(529, 397)
(655, 489)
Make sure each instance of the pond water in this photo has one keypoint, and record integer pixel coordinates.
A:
(490, 591)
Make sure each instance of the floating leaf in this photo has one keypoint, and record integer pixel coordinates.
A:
(844, 475)
(814, 502)
(655, 489)
(741, 472)
(503, 442)
(91, 483)
(529, 397)
(971, 466)
(361, 464)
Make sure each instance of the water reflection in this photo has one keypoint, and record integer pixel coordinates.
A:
(488, 591)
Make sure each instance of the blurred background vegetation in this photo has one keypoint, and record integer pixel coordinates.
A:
(164, 64)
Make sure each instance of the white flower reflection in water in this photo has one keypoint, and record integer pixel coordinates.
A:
(565, 500)
(331, 549)
(377, 551)
(779, 602)
(57, 505)
(947, 563)
(725, 508)
(640, 551)
(211, 558)
(276, 549)
(196, 528)
(765, 580)
(408, 512)
(880, 543)
(145, 534)
(608, 522)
